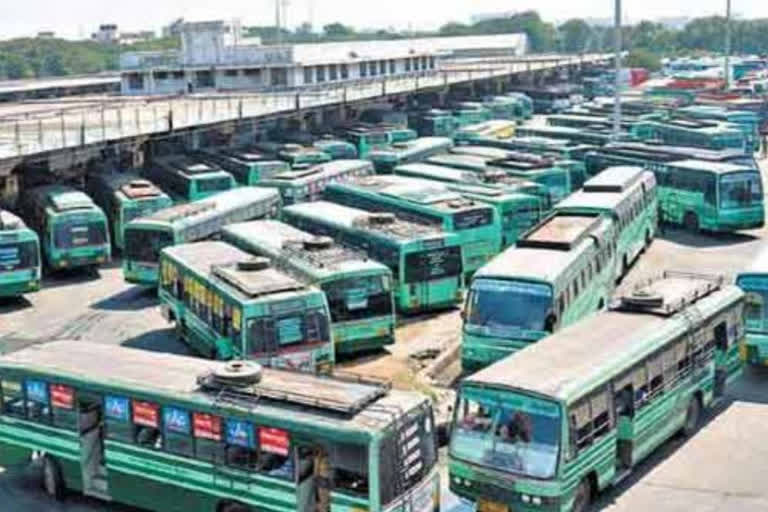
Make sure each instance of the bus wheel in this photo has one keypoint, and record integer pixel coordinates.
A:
(53, 481)
(648, 240)
(691, 222)
(583, 497)
(692, 417)
(233, 507)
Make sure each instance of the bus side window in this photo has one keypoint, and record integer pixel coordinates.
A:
(177, 431)
(655, 374)
(209, 443)
(721, 336)
(146, 424)
(350, 468)
(63, 406)
(38, 401)
(13, 398)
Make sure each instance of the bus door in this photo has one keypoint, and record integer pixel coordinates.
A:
(92, 462)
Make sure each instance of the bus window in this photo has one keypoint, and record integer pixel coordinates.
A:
(241, 451)
(38, 401)
(146, 422)
(13, 398)
(655, 374)
(177, 431)
(721, 336)
(209, 445)
(117, 415)
(350, 469)
(63, 406)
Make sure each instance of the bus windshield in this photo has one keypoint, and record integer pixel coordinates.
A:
(755, 312)
(432, 264)
(360, 297)
(144, 245)
(213, 184)
(17, 256)
(740, 189)
(69, 233)
(500, 307)
(272, 334)
(507, 431)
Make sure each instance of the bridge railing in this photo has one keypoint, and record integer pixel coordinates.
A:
(114, 119)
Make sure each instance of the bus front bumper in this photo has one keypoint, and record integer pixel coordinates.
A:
(755, 349)
(18, 284)
(751, 219)
(477, 352)
(352, 337)
(145, 274)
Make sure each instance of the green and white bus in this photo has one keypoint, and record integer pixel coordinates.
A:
(169, 433)
(124, 197)
(294, 154)
(358, 289)
(145, 237)
(20, 268)
(575, 135)
(228, 304)
(72, 229)
(247, 167)
(470, 112)
(517, 208)
(549, 427)
(365, 137)
(628, 195)
(748, 122)
(559, 272)
(492, 129)
(424, 260)
(300, 185)
(188, 179)
(509, 108)
(754, 282)
(433, 122)
(338, 149)
(477, 225)
(387, 158)
(696, 194)
(692, 132)
(554, 174)
(526, 103)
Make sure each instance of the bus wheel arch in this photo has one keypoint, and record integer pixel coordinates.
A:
(232, 506)
(692, 415)
(52, 479)
(585, 492)
(691, 222)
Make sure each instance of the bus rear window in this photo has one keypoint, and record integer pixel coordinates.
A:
(271, 334)
(73, 233)
(432, 264)
(472, 218)
(145, 245)
(213, 184)
(18, 256)
(357, 298)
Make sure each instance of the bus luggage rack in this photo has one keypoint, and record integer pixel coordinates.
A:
(560, 231)
(328, 257)
(669, 293)
(255, 282)
(340, 393)
(184, 210)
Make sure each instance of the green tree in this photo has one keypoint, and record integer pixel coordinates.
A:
(575, 35)
(338, 31)
(641, 58)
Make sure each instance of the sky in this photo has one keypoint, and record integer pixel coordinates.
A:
(79, 18)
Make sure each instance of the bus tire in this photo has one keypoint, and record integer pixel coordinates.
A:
(692, 416)
(583, 496)
(691, 222)
(648, 239)
(52, 480)
(232, 507)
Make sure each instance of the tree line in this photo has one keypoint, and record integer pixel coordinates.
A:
(35, 57)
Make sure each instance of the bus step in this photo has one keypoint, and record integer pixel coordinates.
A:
(621, 475)
(98, 488)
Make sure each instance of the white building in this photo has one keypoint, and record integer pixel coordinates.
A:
(107, 33)
(214, 57)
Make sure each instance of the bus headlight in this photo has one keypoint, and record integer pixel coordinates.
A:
(526, 498)
(536, 500)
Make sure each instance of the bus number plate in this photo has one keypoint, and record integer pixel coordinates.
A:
(491, 506)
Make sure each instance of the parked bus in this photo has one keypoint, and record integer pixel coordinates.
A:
(398, 132)
(470, 112)
(294, 154)
(337, 148)
(387, 158)
(505, 107)
(553, 174)
(517, 209)
(227, 304)
(559, 272)
(188, 179)
(124, 197)
(477, 225)
(526, 103)
(365, 138)
(433, 122)
(648, 155)
(300, 185)
(551, 426)
(145, 237)
(692, 132)
(358, 289)
(168, 432)
(548, 100)
(247, 167)
(696, 194)
(748, 122)
(628, 196)
(424, 260)
(492, 129)
(72, 229)
(20, 268)
(754, 282)
(575, 135)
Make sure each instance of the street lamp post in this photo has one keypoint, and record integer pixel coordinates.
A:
(727, 44)
(617, 62)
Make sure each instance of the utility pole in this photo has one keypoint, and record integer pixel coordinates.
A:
(617, 62)
(727, 44)
(279, 35)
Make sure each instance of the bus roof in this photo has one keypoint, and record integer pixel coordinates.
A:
(482, 152)
(412, 146)
(439, 172)
(225, 265)
(354, 218)
(682, 151)
(548, 257)
(713, 167)
(615, 179)
(314, 402)
(200, 210)
(187, 166)
(10, 222)
(580, 356)
(283, 241)
(129, 185)
(490, 125)
(320, 171)
(61, 198)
